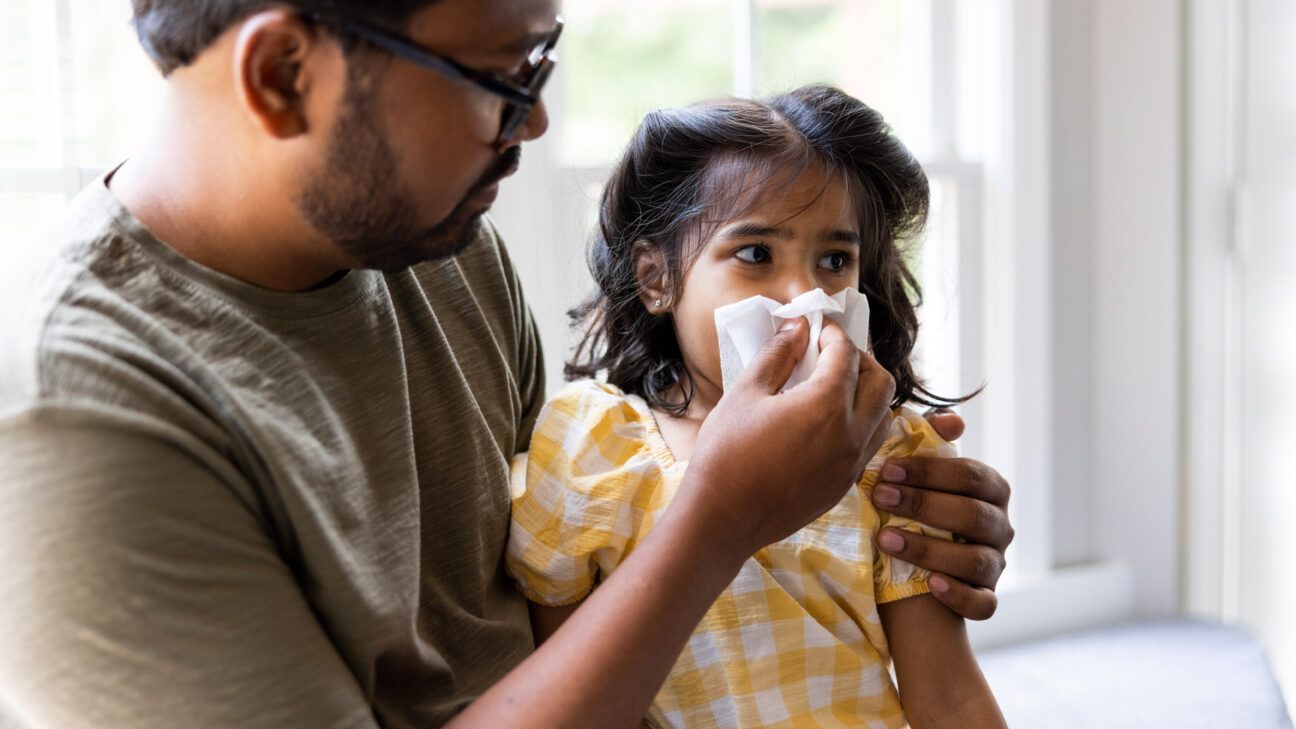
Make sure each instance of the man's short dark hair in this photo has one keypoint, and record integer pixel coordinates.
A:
(175, 32)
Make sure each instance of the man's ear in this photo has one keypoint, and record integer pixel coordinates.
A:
(653, 277)
(270, 70)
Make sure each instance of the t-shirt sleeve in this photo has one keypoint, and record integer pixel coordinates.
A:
(139, 590)
(580, 494)
(911, 435)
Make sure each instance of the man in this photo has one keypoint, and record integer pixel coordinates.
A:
(257, 407)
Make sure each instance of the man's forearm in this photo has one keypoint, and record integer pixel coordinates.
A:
(605, 664)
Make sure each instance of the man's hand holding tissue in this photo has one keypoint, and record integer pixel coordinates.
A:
(767, 463)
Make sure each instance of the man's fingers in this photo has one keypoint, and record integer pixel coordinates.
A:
(873, 395)
(876, 388)
(947, 423)
(773, 364)
(973, 563)
(953, 475)
(838, 364)
(973, 603)
(975, 521)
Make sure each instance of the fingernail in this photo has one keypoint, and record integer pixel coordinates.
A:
(938, 584)
(893, 473)
(891, 542)
(886, 496)
(788, 325)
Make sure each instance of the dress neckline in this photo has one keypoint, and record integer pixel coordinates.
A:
(653, 436)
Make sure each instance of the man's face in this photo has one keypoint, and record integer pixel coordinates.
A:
(412, 161)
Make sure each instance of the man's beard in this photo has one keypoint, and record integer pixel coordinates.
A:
(357, 203)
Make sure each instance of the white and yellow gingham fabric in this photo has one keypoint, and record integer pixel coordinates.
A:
(794, 641)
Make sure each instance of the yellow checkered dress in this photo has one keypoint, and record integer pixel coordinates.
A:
(794, 641)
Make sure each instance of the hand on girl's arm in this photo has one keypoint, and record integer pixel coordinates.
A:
(939, 680)
(959, 495)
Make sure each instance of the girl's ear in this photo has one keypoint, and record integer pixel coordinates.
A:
(653, 277)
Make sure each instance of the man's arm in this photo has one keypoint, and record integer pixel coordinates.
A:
(140, 591)
(941, 685)
(959, 495)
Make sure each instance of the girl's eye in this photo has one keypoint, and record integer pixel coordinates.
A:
(835, 262)
(753, 254)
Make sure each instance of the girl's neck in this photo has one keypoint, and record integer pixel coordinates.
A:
(680, 431)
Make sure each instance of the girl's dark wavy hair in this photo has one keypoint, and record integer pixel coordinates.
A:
(688, 170)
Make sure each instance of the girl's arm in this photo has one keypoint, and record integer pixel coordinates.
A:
(545, 620)
(939, 680)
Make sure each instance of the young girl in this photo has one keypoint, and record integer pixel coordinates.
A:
(713, 204)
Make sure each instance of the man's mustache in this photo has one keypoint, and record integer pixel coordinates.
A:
(506, 165)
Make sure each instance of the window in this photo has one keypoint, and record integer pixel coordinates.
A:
(79, 94)
(939, 71)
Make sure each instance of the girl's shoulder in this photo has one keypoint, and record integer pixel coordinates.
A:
(593, 424)
(591, 402)
(912, 435)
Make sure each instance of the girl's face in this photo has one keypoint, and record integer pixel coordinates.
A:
(793, 240)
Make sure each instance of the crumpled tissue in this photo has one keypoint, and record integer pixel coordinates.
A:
(744, 326)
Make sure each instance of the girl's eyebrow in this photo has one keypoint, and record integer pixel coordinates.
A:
(844, 236)
(756, 230)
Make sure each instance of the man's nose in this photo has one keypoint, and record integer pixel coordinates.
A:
(536, 124)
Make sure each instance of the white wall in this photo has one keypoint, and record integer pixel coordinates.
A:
(1072, 171)
(1115, 166)
(1134, 297)
(1266, 244)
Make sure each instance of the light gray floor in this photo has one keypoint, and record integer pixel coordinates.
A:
(1182, 674)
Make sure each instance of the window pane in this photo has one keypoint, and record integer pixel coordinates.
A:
(21, 220)
(624, 58)
(876, 50)
(117, 88)
(29, 85)
(935, 261)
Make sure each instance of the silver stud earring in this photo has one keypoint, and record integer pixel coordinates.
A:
(657, 304)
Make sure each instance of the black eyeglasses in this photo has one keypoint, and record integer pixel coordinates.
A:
(521, 93)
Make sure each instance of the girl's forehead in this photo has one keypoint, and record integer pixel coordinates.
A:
(779, 194)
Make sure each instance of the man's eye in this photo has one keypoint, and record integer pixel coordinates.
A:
(753, 254)
(835, 261)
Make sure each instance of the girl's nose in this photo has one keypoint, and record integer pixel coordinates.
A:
(794, 286)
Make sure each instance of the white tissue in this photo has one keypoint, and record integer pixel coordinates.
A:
(744, 326)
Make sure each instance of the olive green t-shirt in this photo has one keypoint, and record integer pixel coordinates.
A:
(222, 506)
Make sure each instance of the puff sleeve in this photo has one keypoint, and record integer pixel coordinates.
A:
(911, 435)
(581, 494)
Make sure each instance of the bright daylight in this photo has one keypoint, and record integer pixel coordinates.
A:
(653, 364)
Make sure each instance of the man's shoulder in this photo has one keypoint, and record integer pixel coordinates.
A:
(71, 301)
(40, 279)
